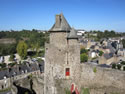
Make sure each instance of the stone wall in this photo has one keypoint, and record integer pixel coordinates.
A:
(98, 80)
(5, 83)
(58, 38)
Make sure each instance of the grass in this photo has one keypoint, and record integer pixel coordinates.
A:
(67, 91)
(94, 70)
(86, 91)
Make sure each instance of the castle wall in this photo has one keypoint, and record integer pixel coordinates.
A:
(58, 59)
(101, 81)
(58, 38)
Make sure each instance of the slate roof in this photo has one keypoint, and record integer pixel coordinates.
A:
(72, 34)
(104, 66)
(108, 56)
(60, 24)
(14, 71)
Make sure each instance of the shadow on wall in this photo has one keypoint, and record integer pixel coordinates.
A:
(22, 90)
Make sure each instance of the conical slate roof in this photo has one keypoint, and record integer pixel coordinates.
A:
(61, 24)
(72, 34)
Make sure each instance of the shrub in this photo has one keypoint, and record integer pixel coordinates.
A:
(84, 57)
(3, 65)
(39, 60)
(113, 66)
(67, 91)
(83, 50)
(124, 68)
(86, 91)
(119, 66)
(11, 64)
(123, 62)
(12, 56)
(100, 53)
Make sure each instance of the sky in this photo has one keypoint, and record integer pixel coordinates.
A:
(80, 14)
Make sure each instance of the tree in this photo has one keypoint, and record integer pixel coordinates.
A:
(119, 66)
(84, 57)
(12, 56)
(22, 49)
(83, 50)
(123, 62)
(114, 66)
(3, 65)
(100, 53)
(124, 68)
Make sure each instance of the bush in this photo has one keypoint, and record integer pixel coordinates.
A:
(124, 68)
(39, 60)
(100, 53)
(12, 56)
(119, 66)
(67, 91)
(3, 65)
(83, 50)
(86, 91)
(123, 62)
(83, 57)
(113, 66)
(11, 64)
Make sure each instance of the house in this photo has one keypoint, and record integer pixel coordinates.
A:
(108, 58)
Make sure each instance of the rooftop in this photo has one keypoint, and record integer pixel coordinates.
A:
(60, 24)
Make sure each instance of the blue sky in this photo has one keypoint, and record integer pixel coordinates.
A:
(81, 14)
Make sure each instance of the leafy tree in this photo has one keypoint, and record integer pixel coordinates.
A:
(119, 66)
(11, 64)
(86, 91)
(100, 53)
(22, 49)
(114, 66)
(83, 57)
(83, 50)
(3, 65)
(6, 49)
(123, 62)
(124, 68)
(12, 56)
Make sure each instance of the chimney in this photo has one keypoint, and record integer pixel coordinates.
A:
(58, 21)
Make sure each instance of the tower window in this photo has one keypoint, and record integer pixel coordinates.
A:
(67, 71)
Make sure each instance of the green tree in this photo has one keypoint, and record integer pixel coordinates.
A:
(100, 53)
(114, 66)
(3, 65)
(124, 68)
(119, 66)
(22, 49)
(83, 57)
(83, 50)
(12, 56)
(123, 62)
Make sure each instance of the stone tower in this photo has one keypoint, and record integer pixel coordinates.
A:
(62, 56)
